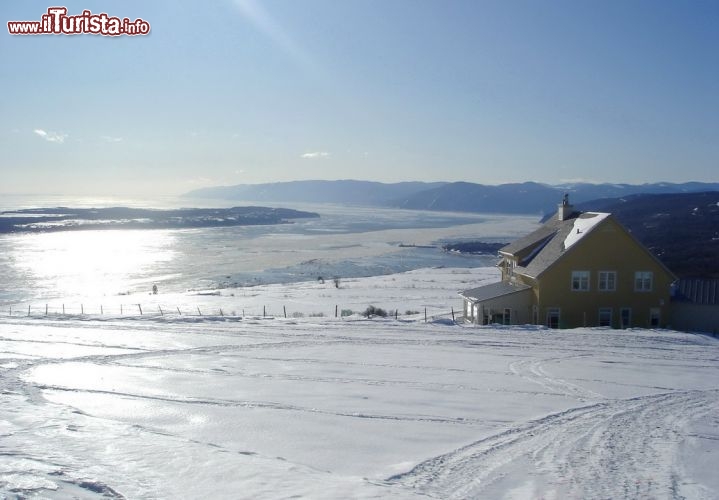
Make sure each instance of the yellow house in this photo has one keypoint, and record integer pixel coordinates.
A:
(578, 269)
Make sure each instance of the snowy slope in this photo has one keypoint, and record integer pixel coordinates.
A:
(317, 407)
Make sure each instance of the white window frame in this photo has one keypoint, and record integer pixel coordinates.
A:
(507, 316)
(582, 280)
(607, 281)
(643, 281)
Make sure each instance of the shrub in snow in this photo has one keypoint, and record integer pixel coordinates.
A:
(374, 311)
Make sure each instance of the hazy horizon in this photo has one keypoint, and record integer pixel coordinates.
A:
(175, 200)
(250, 92)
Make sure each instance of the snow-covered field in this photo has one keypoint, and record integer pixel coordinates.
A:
(189, 406)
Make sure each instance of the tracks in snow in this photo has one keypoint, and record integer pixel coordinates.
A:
(533, 371)
(612, 449)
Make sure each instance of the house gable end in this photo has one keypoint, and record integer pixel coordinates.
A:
(609, 246)
(572, 281)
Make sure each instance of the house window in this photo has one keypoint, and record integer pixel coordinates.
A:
(507, 317)
(607, 281)
(643, 281)
(605, 316)
(625, 317)
(654, 317)
(580, 281)
(553, 317)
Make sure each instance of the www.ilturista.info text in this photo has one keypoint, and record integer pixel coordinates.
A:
(57, 22)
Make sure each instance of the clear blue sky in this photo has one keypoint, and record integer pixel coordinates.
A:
(248, 91)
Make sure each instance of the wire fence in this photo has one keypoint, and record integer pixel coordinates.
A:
(135, 310)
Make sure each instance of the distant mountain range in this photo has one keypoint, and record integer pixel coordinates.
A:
(526, 197)
(343, 191)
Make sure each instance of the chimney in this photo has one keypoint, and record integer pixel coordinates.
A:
(564, 209)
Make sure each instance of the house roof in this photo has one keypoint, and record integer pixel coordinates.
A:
(494, 290)
(547, 230)
(541, 248)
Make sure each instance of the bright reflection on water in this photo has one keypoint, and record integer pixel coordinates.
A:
(91, 263)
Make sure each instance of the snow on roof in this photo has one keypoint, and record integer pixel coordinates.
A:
(582, 225)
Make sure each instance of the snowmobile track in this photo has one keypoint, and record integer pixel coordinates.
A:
(623, 449)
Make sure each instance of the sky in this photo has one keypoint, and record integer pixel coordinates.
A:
(249, 91)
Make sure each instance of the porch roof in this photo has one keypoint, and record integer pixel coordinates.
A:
(493, 291)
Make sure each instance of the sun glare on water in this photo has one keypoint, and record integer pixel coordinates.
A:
(93, 263)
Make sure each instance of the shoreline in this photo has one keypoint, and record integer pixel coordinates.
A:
(434, 289)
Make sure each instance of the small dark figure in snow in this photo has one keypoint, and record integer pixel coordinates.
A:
(154, 289)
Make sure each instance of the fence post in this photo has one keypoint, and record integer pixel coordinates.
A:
(284, 310)
(28, 310)
(336, 307)
(10, 310)
(396, 313)
(221, 313)
(140, 308)
(101, 311)
(453, 321)
(425, 314)
(82, 310)
(63, 309)
(178, 311)
(120, 309)
(160, 308)
(264, 311)
(45, 309)
(198, 311)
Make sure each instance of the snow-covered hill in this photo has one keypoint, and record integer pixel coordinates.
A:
(182, 406)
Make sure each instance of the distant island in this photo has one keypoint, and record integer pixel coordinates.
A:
(33, 220)
(474, 247)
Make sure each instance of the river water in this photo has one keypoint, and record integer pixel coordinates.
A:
(343, 242)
